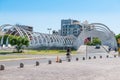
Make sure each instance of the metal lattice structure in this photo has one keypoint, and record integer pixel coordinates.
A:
(38, 39)
(99, 30)
(50, 40)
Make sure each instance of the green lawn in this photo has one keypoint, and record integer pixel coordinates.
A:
(47, 52)
(3, 57)
(5, 54)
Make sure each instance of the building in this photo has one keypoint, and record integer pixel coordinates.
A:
(70, 27)
(26, 27)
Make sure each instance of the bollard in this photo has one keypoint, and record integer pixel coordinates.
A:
(114, 56)
(49, 62)
(69, 60)
(21, 65)
(83, 58)
(37, 63)
(94, 57)
(2, 67)
(77, 59)
(89, 57)
(100, 56)
(60, 61)
(107, 56)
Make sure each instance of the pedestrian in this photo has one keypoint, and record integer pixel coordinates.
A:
(115, 49)
(109, 49)
(68, 52)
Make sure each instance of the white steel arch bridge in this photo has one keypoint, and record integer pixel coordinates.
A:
(99, 30)
(38, 40)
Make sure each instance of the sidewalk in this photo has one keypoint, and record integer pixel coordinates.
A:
(94, 69)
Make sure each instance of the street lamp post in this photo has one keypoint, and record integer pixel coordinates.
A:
(86, 51)
(48, 44)
(49, 29)
(84, 39)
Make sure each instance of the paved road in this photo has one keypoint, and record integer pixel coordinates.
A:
(25, 61)
(91, 51)
(45, 59)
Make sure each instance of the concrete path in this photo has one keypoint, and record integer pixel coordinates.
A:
(94, 69)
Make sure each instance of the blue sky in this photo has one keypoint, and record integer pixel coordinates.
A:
(43, 14)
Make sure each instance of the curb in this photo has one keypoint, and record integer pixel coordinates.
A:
(16, 59)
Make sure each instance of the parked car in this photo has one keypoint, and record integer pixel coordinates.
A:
(97, 47)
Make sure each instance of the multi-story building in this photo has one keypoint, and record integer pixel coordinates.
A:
(70, 27)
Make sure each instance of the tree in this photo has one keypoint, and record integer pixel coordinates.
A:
(94, 42)
(0, 39)
(117, 36)
(19, 42)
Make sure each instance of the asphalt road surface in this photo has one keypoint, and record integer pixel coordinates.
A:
(45, 60)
